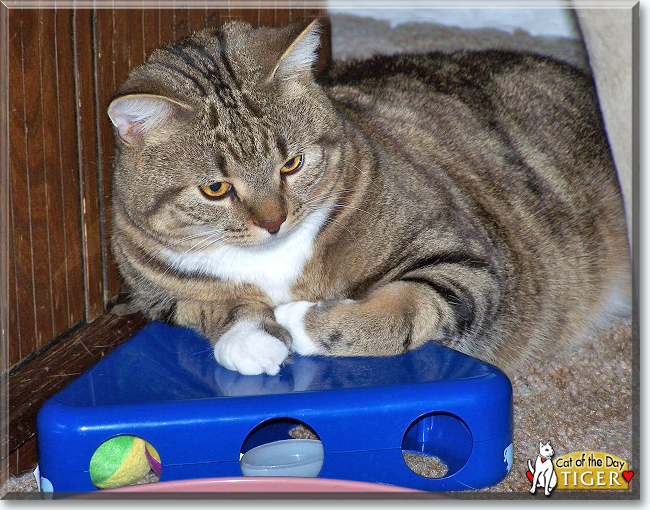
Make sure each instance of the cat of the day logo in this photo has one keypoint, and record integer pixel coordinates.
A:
(588, 470)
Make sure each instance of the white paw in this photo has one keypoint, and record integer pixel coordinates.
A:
(249, 350)
(292, 317)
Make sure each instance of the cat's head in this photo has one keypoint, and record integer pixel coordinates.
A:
(546, 450)
(225, 136)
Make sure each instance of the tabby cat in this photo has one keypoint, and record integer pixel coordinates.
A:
(467, 198)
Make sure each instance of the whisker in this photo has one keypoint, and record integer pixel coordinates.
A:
(338, 206)
(208, 240)
(332, 220)
(364, 172)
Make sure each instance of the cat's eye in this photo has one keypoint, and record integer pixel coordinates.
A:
(217, 189)
(293, 165)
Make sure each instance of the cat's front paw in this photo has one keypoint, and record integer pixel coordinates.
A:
(292, 317)
(249, 350)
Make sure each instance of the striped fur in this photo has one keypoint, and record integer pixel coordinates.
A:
(468, 198)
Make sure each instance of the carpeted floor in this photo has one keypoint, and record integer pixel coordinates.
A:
(581, 400)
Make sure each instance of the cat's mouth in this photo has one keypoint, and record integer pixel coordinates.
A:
(295, 227)
(265, 238)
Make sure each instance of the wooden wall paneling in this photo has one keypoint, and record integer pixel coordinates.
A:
(282, 16)
(5, 219)
(312, 13)
(87, 146)
(234, 14)
(295, 13)
(135, 38)
(252, 16)
(215, 17)
(16, 141)
(166, 26)
(10, 466)
(68, 165)
(298, 11)
(13, 330)
(13, 327)
(16, 155)
(112, 65)
(197, 17)
(266, 17)
(38, 177)
(51, 199)
(151, 24)
(105, 86)
(32, 25)
(27, 456)
(20, 193)
(124, 37)
(181, 22)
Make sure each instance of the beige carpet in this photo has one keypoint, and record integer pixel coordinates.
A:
(580, 400)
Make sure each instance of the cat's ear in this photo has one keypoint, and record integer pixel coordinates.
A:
(300, 56)
(138, 116)
(540, 444)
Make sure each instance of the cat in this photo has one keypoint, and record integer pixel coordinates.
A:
(543, 475)
(467, 198)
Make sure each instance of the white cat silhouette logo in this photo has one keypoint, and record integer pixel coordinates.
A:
(543, 475)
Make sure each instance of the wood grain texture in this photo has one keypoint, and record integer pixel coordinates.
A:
(181, 23)
(25, 341)
(123, 38)
(105, 85)
(266, 17)
(51, 174)
(16, 142)
(86, 137)
(13, 330)
(32, 384)
(68, 173)
(236, 14)
(37, 178)
(151, 30)
(166, 26)
(196, 19)
(27, 457)
(214, 17)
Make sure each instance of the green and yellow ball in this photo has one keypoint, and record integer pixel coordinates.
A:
(119, 461)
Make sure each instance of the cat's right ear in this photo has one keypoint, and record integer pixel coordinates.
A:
(137, 117)
(300, 56)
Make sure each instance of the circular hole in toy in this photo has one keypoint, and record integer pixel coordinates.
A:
(436, 445)
(124, 460)
(282, 447)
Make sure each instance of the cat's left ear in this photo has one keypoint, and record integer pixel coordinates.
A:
(299, 58)
(140, 116)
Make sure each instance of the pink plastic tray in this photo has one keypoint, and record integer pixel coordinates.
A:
(263, 484)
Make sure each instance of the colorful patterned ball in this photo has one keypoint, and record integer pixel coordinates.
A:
(119, 461)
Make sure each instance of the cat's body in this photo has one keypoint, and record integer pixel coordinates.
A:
(467, 198)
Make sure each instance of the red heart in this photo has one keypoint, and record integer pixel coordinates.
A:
(628, 475)
(530, 475)
(543, 460)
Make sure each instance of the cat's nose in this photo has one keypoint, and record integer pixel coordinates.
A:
(273, 226)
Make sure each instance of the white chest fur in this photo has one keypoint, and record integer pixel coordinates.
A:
(273, 267)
